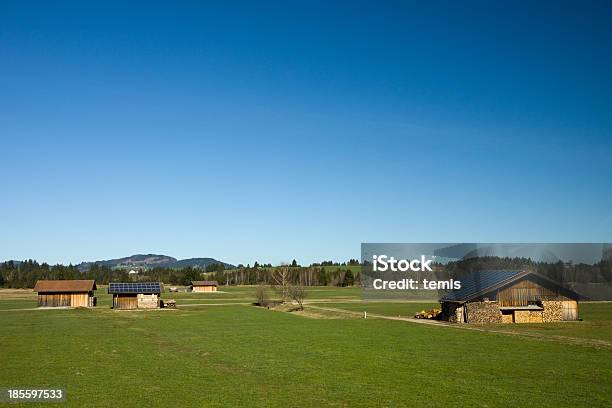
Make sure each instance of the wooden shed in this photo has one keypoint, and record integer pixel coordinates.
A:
(204, 286)
(141, 295)
(62, 293)
(509, 297)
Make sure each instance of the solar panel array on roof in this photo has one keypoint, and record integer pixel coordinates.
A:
(478, 282)
(139, 287)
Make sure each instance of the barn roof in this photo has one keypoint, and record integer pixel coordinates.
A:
(204, 283)
(482, 282)
(64, 286)
(138, 287)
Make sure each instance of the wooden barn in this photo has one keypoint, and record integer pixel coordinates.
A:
(509, 297)
(204, 286)
(141, 295)
(62, 293)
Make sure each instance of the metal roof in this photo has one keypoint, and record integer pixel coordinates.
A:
(138, 287)
(65, 286)
(479, 283)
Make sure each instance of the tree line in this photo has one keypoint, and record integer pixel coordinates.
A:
(297, 275)
(600, 272)
(25, 274)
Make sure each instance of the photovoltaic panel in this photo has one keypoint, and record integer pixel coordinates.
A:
(478, 282)
(136, 287)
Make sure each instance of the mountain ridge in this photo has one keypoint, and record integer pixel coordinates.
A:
(148, 261)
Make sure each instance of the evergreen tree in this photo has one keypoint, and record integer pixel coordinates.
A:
(349, 278)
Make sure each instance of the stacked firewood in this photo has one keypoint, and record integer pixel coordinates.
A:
(483, 312)
(553, 310)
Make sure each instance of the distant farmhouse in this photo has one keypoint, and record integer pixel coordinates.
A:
(142, 295)
(509, 297)
(204, 286)
(71, 293)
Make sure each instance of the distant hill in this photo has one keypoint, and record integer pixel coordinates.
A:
(199, 263)
(152, 261)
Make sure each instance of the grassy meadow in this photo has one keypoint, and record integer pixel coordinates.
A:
(218, 350)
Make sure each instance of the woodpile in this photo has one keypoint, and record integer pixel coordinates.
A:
(458, 317)
(521, 316)
(452, 312)
(553, 310)
(483, 312)
(536, 316)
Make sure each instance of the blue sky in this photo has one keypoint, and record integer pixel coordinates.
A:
(250, 131)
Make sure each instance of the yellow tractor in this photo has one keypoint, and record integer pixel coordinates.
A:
(433, 314)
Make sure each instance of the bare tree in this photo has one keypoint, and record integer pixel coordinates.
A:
(280, 281)
(297, 293)
(261, 296)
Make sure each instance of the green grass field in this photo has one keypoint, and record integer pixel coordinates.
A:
(240, 355)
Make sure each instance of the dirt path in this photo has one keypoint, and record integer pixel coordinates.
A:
(536, 336)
